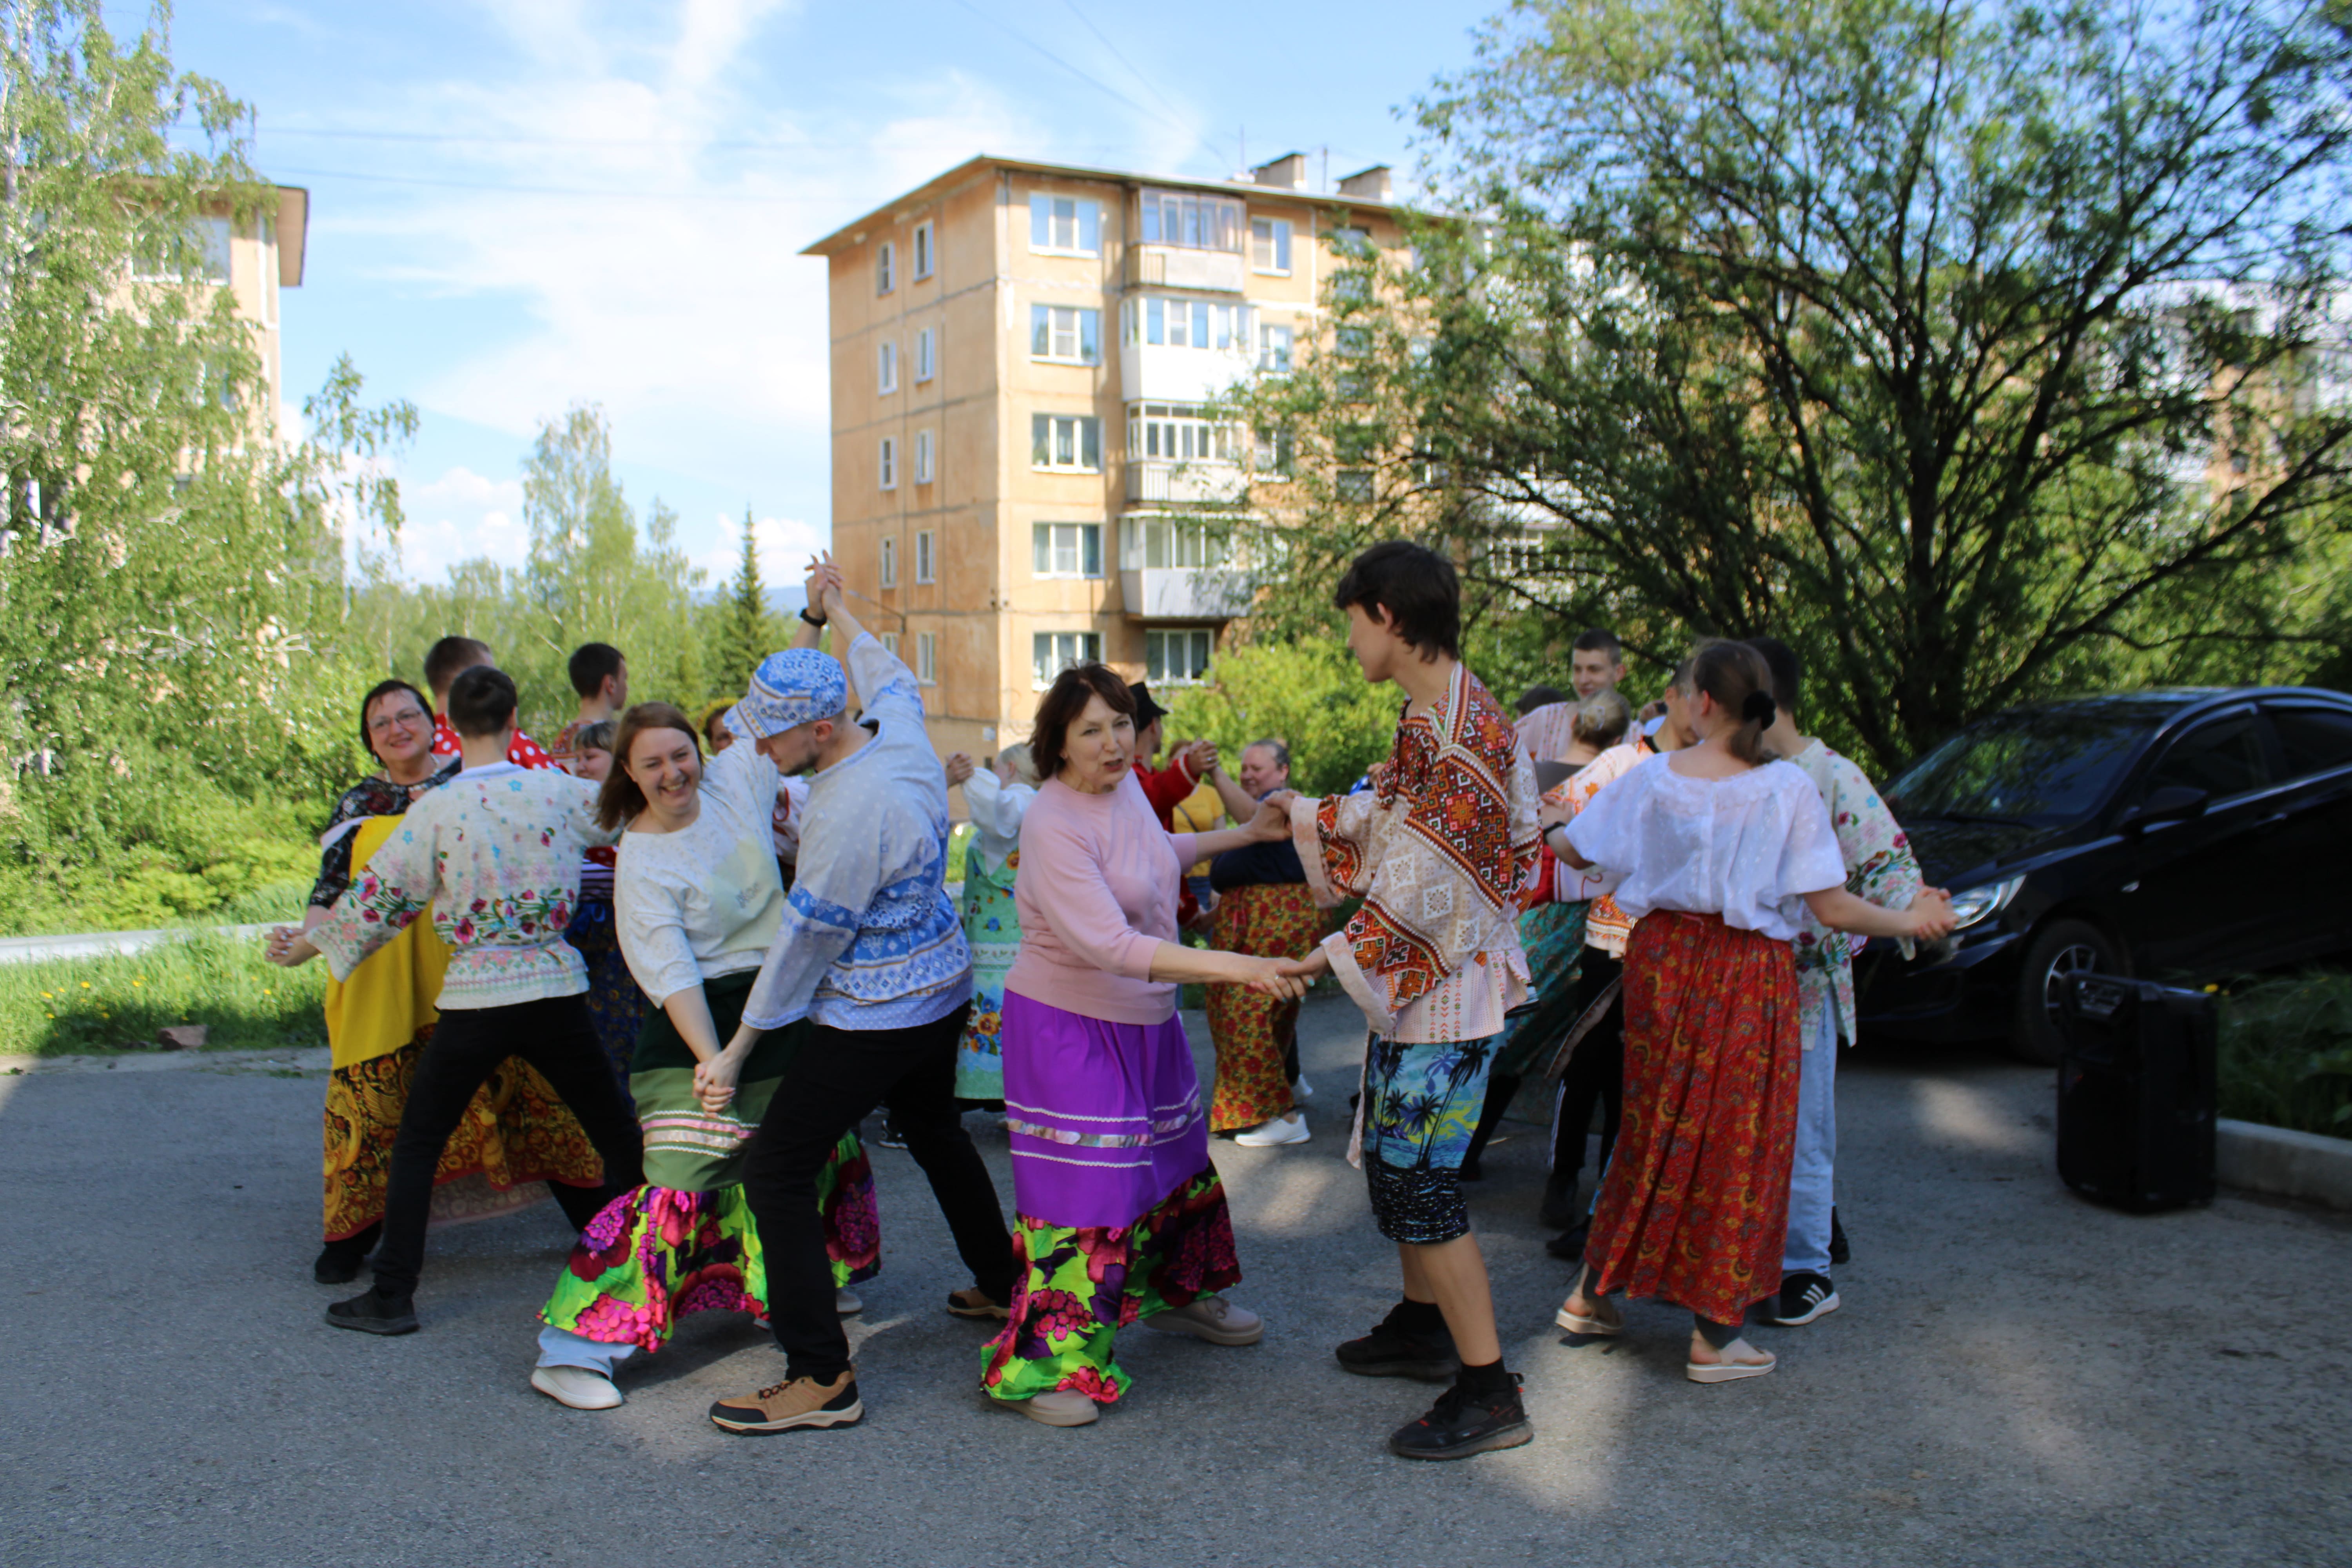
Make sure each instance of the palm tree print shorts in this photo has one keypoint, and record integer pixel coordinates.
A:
(1422, 1101)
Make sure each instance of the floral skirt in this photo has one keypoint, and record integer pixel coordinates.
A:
(992, 928)
(1253, 1032)
(616, 1007)
(1073, 1288)
(514, 1136)
(655, 1254)
(1695, 1207)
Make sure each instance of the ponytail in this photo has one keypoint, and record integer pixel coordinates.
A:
(1737, 676)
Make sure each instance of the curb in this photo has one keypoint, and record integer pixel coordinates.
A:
(2284, 1162)
(110, 943)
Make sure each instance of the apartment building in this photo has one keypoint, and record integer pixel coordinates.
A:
(254, 256)
(1020, 356)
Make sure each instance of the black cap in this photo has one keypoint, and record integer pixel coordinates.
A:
(1147, 711)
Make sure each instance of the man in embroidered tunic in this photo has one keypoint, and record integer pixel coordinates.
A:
(872, 952)
(495, 853)
(1436, 848)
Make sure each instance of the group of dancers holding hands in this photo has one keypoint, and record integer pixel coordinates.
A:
(724, 1171)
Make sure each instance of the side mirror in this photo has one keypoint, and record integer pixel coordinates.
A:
(2173, 803)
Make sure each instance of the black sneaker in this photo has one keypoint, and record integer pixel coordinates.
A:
(1804, 1296)
(891, 1137)
(374, 1312)
(1390, 1351)
(1461, 1424)
(1839, 1254)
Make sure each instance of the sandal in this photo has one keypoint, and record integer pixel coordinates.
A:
(1575, 1323)
(1730, 1371)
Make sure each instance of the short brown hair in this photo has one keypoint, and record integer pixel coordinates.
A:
(1072, 689)
(621, 799)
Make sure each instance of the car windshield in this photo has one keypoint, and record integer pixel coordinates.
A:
(2039, 765)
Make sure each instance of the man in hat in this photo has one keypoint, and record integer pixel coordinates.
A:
(872, 954)
(1164, 787)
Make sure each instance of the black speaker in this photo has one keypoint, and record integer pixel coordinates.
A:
(2135, 1093)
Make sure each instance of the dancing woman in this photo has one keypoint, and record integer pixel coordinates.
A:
(998, 796)
(696, 902)
(1713, 850)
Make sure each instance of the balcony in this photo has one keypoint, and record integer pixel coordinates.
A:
(1177, 266)
(1161, 481)
(1181, 569)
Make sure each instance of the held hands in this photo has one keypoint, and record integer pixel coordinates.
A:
(1274, 977)
(1315, 964)
(1272, 822)
(825, 583)
(960, 767)
(714, 1080)
(287, 948)
(1200, 758)
(1931, 915)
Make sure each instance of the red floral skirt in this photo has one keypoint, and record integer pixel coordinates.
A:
(1695, 1209)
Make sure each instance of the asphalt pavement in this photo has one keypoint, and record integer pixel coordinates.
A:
(2016, 1377)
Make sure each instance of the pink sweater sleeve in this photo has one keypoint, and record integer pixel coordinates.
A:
(1072, 892)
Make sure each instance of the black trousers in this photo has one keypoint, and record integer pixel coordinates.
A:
(552, 1035)
(838, 1075)
(1595, 1074)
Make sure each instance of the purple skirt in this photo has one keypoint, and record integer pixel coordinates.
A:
(1106, 1118)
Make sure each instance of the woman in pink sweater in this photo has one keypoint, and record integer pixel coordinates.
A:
(1120, 1215)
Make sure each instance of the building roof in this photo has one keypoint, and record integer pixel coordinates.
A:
(986, 161)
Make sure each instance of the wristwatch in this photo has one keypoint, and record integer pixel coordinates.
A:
(812, 620)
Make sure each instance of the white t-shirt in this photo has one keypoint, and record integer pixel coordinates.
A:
(704, 902)
(1748, 848)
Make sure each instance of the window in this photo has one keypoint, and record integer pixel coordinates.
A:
(1054, 652)
(2313, 739)
(1160, 544)
(1177, 658)
(890, 566)
(890, 644)
(1355, 244)
(1187, 324)
(885, 369)
(922, 456)
(1352, 484)
(1273, 455)
(1273, 347)
(889, 464)
(927, 354)
(926, 557)
(1064, 332)
(1353, 444)
(1064, 225)
(1176, 432)
(2223, 758)
(1067, 549)
(1192, 223)
(1269, 244)
(1065, 441)
(885, 267)
(923, 263)
(1352, 342)
(926, 657)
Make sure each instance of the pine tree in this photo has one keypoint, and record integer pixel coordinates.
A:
(746, 634)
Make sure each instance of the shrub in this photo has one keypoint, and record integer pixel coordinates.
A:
(2286, 1053)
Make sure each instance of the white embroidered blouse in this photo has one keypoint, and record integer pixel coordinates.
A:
(703, 902)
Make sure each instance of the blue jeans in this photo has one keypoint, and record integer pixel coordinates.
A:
(1809, 1174)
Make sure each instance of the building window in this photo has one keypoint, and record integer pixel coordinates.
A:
(1273, 455)
(1192, 223)
(1352, 485)
(1177, 658)
(926, 557)
(922, 456)
(1065, 441)
(1186, 324)
(1269, 244)
(923, 260)
(1355, 244)
(890, 644)
(885, 369)
(890, 566)
(1064, 332)
(885, 267)
(1067, 549)
(926, 657)
(1064, 226)
(1176, 432)
(890, 463)
(927, 354)
(1054, 652)
(1273, 348)
(1164, 544)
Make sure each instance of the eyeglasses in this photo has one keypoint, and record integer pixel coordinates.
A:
(384, 722)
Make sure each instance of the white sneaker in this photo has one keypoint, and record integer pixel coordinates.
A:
(1302, 1091)
(1289, 1128)
(847, 1302)
(1211, 1318)
(577, 1387)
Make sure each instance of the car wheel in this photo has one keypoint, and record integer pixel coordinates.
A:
(2060, 949)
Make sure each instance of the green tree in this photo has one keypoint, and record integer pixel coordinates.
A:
(746, 631)
(1309, 695)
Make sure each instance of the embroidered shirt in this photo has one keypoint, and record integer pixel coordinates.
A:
(869, 938)
(495, 853)
(1606, 926)
(1436, 849)
(523, 750)
(997, 809)
(1880, 869)
(377, 796)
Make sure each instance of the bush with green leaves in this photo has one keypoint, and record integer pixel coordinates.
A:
(2286, 1053)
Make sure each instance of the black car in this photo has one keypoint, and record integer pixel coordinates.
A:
(2187, 836)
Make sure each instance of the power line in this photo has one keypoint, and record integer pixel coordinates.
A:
(1147, 84)
(1099, 85)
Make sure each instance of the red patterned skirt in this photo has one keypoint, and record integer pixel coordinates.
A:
(1695, 1209)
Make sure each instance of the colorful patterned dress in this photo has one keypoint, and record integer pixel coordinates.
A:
(992, 925)
(1254, 1033)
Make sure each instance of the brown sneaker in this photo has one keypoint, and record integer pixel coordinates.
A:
(800, 1402)
(1211, 1318)
(974, 1302)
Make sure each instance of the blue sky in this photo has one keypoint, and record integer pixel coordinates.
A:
(516, 205)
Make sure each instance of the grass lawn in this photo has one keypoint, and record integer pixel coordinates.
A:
(67, 1006)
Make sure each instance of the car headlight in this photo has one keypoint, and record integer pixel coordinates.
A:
(1972, 906)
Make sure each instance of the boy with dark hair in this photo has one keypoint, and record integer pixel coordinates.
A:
(1436, 849)
(1596, 663)
(600, 676)
(495, 855)
(445, 661)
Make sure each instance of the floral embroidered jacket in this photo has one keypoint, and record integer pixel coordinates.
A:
(1436, 848)
(1879, 870)
(495, 853)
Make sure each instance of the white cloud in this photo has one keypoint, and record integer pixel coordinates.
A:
(785, 544)
(460, 516)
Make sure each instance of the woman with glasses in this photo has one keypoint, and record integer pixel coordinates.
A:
(517, 1132)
